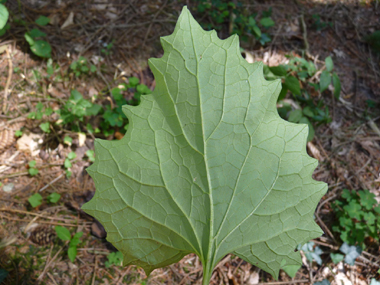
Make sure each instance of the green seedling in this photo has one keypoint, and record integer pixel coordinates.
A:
(246, 26)
(67, 164)
(319, 24)
(35, 200)
(67, 140)
(114, 258)
(76, 110)
(91, 155)
(38, 114)
(300, 70)
(38, 46)
(358, 216)
(107, 50)
(45, 127)
(65, 235)
(352, 252)
(32, 168)
(115, 117)
(53, 198)
(82, 66)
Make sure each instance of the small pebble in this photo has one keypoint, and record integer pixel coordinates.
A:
(8, 187)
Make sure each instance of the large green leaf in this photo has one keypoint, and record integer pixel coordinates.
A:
(4, 14)
(207, 165)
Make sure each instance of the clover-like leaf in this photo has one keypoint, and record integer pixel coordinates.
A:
(367, 199)
(207, 166)
(35, 200)
(352, 252)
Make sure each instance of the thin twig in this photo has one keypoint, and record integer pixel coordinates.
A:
(95, 268)
(48, 223)
(304, 34)
(10, 72)
(14, 175)
(151, 24)
(33, 214)
(39, 279)
(285, 282)
(134, 25)
(52, 182)
(52, 278)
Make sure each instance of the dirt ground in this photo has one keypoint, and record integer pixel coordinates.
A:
(348, 148)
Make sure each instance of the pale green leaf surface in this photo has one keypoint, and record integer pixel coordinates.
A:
(207, 165)
(4, 14)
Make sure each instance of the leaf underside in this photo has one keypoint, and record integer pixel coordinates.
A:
(207, 165)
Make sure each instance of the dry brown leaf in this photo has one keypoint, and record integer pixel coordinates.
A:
(30, 143)
(7, 135)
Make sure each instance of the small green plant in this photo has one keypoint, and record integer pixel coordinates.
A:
(18, 133)
(67, 164)
(219, 12)
(351, 253)
(107, 50)
(358, 217)
(374, 41)
(310, 110)
(82, 66)
(114, 258)
(76, 109)
(312, 252)
(244, 24)
(319, 24)
(53, 198)
(35, 200)
(45, 127)
(38, 114)
(34, 37)
(33, 171)
(113, 115)
(52, 69)
(67, 140)
(91, 155)
(65, 235)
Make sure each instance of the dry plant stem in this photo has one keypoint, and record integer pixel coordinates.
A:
(325, 227)
(151, 24)
(122, 275)
(208, 271)
(19, 119)
(52, 182)
(95, 268)
(10, 72)
(48, 223)
(285, 282)
(134, 25)
(52, 278)
(304, 34)
(188, 274)
(14, 175)
(40, 278)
